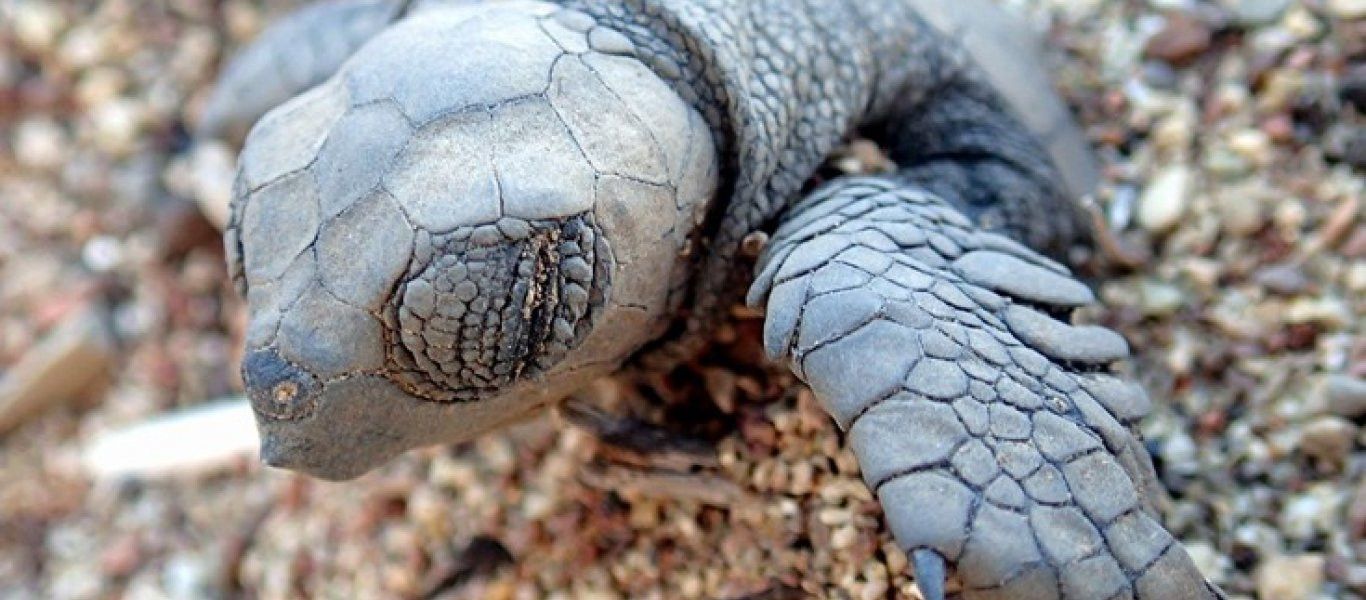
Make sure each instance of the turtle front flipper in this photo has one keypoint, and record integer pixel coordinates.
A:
(984, 420)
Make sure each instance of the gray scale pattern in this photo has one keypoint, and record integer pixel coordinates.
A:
(490, 204)
(484, 306)
(983, 443)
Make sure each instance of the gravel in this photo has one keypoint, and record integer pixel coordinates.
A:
(1232, 135)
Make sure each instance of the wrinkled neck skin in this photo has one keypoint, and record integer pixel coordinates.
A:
(784, 82)
(486, 208)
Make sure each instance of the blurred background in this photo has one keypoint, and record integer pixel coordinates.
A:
(1235, 147)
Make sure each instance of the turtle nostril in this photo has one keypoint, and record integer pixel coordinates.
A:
(285, 392)
(278, 388)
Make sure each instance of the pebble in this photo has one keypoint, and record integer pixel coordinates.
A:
(1180, 41)
(1211, 563)
(1258, 12)
(121, 558)
(1159, 298)
(1356, 513)
(1329, 439)
(1160, 75)
(1253, 145)
(1354, 147)
(40, 143)
(1328, 312)
(1306, 514)
(1172, 5)
(1355, 278)
(1345, 395)
(37, 25)
(1284, 278)
(1302, 23)
(117, 126)
(1352, 88)
(214, 167)
(65, 363)
(1174, 132)
(1164, 201)
(1241, 212)
(1347, 9)
(1293, 577)
(206, 438)
(102, 253)
(1355, 246)
(190, 576)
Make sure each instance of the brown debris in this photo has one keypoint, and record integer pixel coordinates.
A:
(637, 443)
(76, 355)
(1182, 40)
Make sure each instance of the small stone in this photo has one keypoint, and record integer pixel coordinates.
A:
(117, 126)
(1171, 5)
(67, 362)
(1160, 74)
(1159, 298)
(37, 24)
(1174, 132)
(1347, 9)
(1345, 395)
(1258, 12)
(1240, 212)
(206, 438)
(1355, 246)
(1356, 513)
(1309, 514)
(102, 253)
(1328, 312)
(1287, 278)
(1353, 86)
(122, 557)
(844, 538)
(212, 168)
(192, 576)
(1297, 577)
(1354, 147)
(1164, 201)
(1279, 128)
(40, 143)
(1180, 41)
(1253, 145)
(1211, 563)
(1302, 23)
(1328, 439)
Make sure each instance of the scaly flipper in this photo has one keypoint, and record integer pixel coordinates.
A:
(984, 423)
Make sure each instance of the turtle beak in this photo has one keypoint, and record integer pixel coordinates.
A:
(274, 454)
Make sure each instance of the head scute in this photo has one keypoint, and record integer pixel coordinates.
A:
(484, 209)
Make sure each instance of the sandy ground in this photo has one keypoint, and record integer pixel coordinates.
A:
(1234, 149)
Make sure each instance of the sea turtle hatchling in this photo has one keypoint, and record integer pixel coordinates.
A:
(474, 208)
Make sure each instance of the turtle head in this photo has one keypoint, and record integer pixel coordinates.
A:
(484, 209)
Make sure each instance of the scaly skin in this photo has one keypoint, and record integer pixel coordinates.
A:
(491, 204)
(981, 422)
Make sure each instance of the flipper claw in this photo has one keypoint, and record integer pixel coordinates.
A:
(929, 573)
